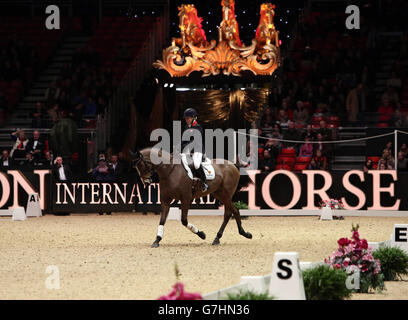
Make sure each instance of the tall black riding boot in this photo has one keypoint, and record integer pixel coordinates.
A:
(201, 175)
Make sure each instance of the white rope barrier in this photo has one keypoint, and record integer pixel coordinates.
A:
(302, 142)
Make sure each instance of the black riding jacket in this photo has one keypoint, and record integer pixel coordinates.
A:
(194, 126)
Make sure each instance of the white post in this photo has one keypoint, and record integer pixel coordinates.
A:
(395, 150)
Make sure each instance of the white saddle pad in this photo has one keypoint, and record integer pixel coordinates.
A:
(207, 165)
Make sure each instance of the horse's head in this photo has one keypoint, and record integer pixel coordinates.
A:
(143, 167)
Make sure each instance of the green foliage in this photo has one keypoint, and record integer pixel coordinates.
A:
(394, 262)
(249, 295)
(240, 205)
(323, 283)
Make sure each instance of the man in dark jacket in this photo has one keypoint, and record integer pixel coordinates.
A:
(36, 147)
(6, 162)
(60, 171)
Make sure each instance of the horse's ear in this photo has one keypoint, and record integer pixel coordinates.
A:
(134, 154)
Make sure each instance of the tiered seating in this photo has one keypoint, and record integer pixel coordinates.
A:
(33, 34)
(375, 161)
(286, 159)
(112, 32)
(301, 163)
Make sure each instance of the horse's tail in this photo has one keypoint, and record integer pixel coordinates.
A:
(244, 180)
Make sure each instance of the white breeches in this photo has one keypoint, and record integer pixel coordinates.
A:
(197, 157)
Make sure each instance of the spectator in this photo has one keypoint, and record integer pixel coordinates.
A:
(320, 160)
(382, 165)
(273, 147)
(20, 143)
(404, 149)
(61, 172)
(388, 158)
(312, 165)
(6, 162)
(291, 134)
(353, 102)
(282, 118)
(300, 115)
(324, 131)
(36, 147)
(388, 147)
(392, 96)
(102, 173)
(368, 165)
(309, 133)
(48, 160)
(402, 162)
(277, 134)
(385, 111)
(38, 116)
(54, 113)
(28, 164)
(323, 147)
(117, 167)
(267, 163)
(306, 150)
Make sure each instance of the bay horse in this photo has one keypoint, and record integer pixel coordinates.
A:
(175, 184)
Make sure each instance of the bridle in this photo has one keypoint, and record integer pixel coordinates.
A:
(136, 164)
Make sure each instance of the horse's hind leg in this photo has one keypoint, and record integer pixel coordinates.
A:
(185, 205)
(227, 216)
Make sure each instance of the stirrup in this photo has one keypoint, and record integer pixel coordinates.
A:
(205, 187)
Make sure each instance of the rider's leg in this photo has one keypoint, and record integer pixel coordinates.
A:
(197, 157)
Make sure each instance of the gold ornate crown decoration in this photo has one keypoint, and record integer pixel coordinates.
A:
(192, 52)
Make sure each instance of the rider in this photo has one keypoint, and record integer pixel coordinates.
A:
(190, 116)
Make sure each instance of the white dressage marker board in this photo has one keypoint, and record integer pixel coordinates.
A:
(286, 279)
(326, 213)
(174, 214)
(18, 214)
(33, 205)
(400, 237)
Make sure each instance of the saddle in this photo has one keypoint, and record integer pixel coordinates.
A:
(206, 164)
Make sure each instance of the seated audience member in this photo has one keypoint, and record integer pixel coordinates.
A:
(36, 147)
(312, 165)
(6, 162)
(385, 111)
(28, 164)
(404, 149)
(61, 172)
(388, 147)
(54, 113)
(291, 134)
(102, 173)
(300, 115)
(382, 165)
(277, 134)
(309, 133)
(272, 146)
(368, 165)
(282, 119)
(389, 159)
(117, 167)
(267, 163)
(320, 160)
(20, 143)
(91, 108)
(323, 147)
(402, 162)
(324, 131)
(47, 161)
(306, 150)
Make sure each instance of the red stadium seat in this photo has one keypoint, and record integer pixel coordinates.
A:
(374, 159)
(288, 152)
(283, 167)
(300, 167)
(286, 160)
(303, 160)
(382, 125)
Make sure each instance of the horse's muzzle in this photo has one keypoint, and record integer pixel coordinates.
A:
(147, 181)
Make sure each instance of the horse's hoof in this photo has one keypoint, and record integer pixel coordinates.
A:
(201, 234)
(155, 245)
(216, 242)
(248, 235)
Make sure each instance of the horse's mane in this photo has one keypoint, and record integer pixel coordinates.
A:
(162, 153)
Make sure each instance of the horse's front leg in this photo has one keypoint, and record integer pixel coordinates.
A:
(185, 205)
(164, 213)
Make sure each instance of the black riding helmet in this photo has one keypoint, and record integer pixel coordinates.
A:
(190, 112)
